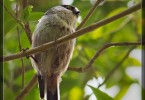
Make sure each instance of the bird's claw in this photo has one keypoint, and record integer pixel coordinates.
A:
(24, 50)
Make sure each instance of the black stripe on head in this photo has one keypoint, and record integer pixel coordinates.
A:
(72, 8)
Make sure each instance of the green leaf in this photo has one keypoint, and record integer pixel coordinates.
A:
(9, 25)
(35, 16)
(100, 95)
(122, 92)
(27, 11)
(131, 62)
(116, 11)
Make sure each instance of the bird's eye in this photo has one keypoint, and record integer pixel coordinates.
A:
(67, 7)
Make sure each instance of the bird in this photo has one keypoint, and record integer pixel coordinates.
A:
(51, 64)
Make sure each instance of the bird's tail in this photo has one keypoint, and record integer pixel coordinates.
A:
(52, 95)
(41, 86)
(49, 88)
(52, 90)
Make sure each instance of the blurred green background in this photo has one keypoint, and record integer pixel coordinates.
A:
(124, 83)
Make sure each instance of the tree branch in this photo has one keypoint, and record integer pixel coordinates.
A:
(20, 47)
(88, 66)
(89, 14)
(26, 90)
(18, 71)
(78, 33)
(97, 54)
(25, 3)
(116, 67)
(6, 9)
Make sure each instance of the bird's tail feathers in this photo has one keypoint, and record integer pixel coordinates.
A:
(41, 86)
(52, 88)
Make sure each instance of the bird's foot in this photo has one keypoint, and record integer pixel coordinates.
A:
(24, 50)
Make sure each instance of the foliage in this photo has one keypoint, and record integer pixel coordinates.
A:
(126, 29)
(99, 94)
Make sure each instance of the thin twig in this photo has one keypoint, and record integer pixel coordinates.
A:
(23, 68)
(26, 90)
(25, 3)
(78, 33)
(6, 9)
(18, 72)
(89, 14)
(116, 67)
(88, 66)
(29, 33)
(20, 48)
